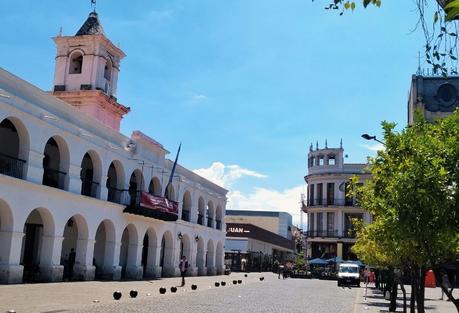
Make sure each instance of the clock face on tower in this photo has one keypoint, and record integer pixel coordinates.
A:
(447, 95)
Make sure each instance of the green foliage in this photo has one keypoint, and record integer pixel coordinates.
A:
(299, 261)
(413, 196)
(439, 30)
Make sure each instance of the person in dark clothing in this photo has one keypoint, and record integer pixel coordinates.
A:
(72, 256)
(183, 268)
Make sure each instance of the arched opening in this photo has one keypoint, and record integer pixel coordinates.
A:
(108, 69)
(74, 245)
(135, 186)
(128, 251)
(185, 247)
(89, 185)
(166, 255)
(115, 182)
(219, 258)
(210, 257)
(11, 160)
(201, 211)
(76, 63)
(155, 187)
(200, 262)
(170, 192)
(219, 217)
(149, 253)
(210, 214)
(186, 206)
(104, 248)
(38, 224)
(53, 165)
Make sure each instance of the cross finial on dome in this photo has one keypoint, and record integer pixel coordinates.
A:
(93, 5)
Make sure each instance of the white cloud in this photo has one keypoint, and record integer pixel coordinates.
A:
(198, 98)
(374, 147)
(225, 175)
(260, 199)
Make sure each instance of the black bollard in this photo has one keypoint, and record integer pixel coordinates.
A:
(117, 295)
(133, 293)
(173, 289)
(262, 278)
(217, 284)
(239, 281)
(194, 287)
(234, 282)
(223, 283)
(245, 275)
(162, 290)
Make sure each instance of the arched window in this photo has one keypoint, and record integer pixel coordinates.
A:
(76, 63)
(108, 70)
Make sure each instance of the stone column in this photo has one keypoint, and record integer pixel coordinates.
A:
(84, 269)
(134, 269)
(103, 188)
(339, 216)
(35, 167)
(201, 262)
(74, 178)
(50, 268)
(11, 271)
(111, 269)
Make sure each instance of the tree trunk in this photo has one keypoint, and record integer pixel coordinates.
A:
(413, 291)
(449, 295)
(420, 294)
(402, 287)
(393, 290)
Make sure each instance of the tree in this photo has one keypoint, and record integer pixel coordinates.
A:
(413, 196)
(438, 20)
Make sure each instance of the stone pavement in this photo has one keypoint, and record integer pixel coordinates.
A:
(253, 295)
(376, 303)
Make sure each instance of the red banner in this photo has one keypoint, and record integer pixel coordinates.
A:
(158, 203)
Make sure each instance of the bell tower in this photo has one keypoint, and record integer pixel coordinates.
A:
(86, 72)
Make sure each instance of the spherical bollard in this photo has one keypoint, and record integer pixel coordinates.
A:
(194, 287)
(234, 282)
(223, 283)
(133, 293)
(173, 289)
(217, 284)
(262, 278)
(239, 281)
(117, 295)
(245, 275)
(162, 290)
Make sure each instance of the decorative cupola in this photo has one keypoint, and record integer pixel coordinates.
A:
(86, 72)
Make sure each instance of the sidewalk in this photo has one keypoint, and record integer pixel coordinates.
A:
(69, 296)
(376, 303)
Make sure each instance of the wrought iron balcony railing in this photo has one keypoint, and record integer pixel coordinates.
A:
(331, 202)
(11, 166)
(329, 234)
(53, 178)
(186, 215)
(200, 219)
(116, 195)
(89, 188)
(209, 222)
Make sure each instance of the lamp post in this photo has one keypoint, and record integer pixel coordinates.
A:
(368, 137)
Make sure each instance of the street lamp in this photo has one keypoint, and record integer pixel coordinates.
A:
(368, 137)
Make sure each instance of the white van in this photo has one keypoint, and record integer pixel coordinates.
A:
(348, 274)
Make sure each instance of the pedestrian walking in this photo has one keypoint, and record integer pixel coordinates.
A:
(183, 268)
(445, 283)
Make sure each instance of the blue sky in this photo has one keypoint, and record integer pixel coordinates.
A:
(246, 85)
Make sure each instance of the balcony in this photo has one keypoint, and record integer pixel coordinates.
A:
(11, 166)
(329, 234)
(218, 224)
(186, 215)
(89, 188)
(53, 178)
(331, 202)
(200, 219)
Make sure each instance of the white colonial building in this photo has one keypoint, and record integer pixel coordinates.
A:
(80, 200)
(330, 209)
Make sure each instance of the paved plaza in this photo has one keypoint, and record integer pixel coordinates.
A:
(270, 295)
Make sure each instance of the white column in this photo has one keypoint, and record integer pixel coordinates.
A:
(50, 259)
(134, 268)
(340, 222)
(103, 188)
(74, 178)
(111, 268)
(11, 271)
(201, 262)
(84, 269)
(35, 167)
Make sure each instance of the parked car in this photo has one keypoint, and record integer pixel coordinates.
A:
(348, 274)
